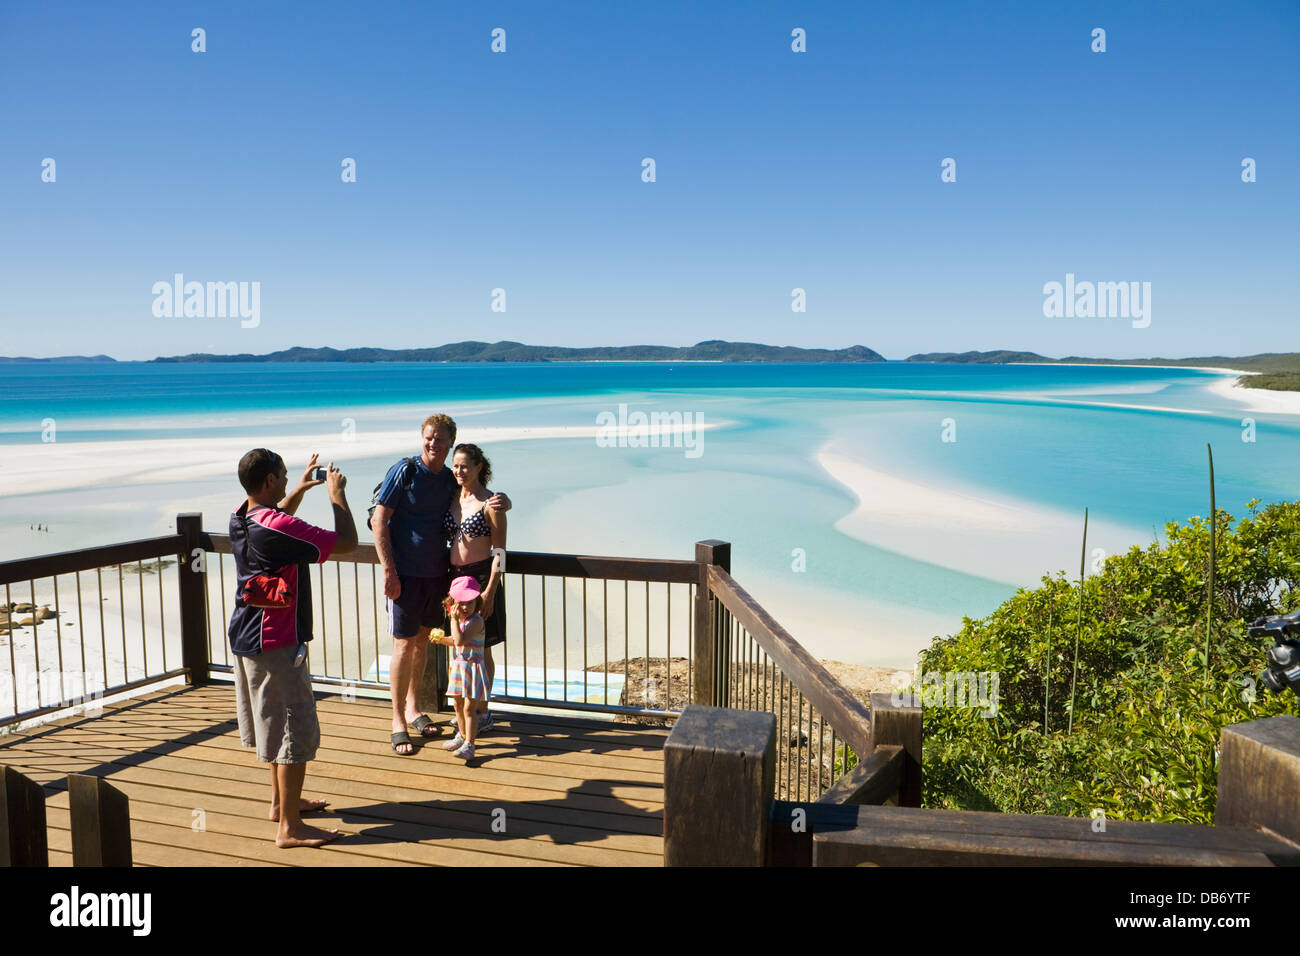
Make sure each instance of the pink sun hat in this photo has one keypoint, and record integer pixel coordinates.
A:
(464, 588)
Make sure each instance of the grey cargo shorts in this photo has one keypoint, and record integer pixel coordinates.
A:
(277, 712)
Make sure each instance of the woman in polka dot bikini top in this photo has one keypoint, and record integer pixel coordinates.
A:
(475, 533)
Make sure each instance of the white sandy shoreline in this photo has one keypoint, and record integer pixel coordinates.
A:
(1265, 400)
(1197, 368)
(38, 467)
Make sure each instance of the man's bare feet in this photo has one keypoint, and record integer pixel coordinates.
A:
(303, 835)
(304, 806)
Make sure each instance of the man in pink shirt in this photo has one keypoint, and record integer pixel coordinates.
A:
(273, 694)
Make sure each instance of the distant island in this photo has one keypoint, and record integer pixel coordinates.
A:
(1001, 357)
(1272, 370)
(713, 350)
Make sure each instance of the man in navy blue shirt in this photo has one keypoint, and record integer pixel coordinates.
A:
(273, 695)
(412, 548)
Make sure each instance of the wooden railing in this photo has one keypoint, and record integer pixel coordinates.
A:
(571, 615)
(638, 638)
(568, 617)
(827, 745)
(719, 810)
(66, 648)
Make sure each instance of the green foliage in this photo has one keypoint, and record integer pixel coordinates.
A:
(845, 760)
(1148, 711)
(1280, 381)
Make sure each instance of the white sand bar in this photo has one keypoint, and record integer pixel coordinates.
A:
(976, 533)
(59, 466)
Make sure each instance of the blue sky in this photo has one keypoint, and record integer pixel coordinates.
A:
(775, 170)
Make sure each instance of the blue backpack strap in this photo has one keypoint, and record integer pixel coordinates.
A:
(408, 482)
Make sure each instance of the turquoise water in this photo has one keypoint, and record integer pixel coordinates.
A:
(1121, 459)
(1047, 437)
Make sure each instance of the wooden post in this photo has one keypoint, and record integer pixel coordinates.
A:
(1259, 776)
(101, 822)
(193, 574)
(433, 688)
(22, 821)
(708, 690)
(719, 774)
(899, 725)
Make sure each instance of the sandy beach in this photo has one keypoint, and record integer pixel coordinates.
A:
(1198, 368)
(1264, 400)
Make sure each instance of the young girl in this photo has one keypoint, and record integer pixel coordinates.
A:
(467, 680)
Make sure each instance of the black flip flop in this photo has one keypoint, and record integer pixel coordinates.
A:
(422, 722)
(402, 737)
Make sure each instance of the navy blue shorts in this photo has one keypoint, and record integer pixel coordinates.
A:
(419, 605)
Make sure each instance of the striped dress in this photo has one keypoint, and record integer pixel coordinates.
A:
(466, 675)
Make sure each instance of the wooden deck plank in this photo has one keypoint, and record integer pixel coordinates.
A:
(532, 760)
(183, 838)
(589, 795)
(195, 780)
(574, 793)
(145, 853)
(611, 816)
(217, 702)
(621, 749)
(626, 754)
(249, 800)
(509, 784)
(130, 702)
(399, 844)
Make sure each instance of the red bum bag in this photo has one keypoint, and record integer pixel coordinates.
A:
(267, 591)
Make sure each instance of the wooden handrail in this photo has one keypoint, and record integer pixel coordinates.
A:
(92, 559)
(654, 570)
(906, 836)
(874, 780)
(87, 559)
(844, 712)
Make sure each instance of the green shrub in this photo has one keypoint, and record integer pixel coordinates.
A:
(1147, 709)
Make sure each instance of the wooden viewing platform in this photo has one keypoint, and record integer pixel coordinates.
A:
(770, 762)
(574, 792)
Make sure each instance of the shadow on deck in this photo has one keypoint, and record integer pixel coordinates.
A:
(543, 790)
